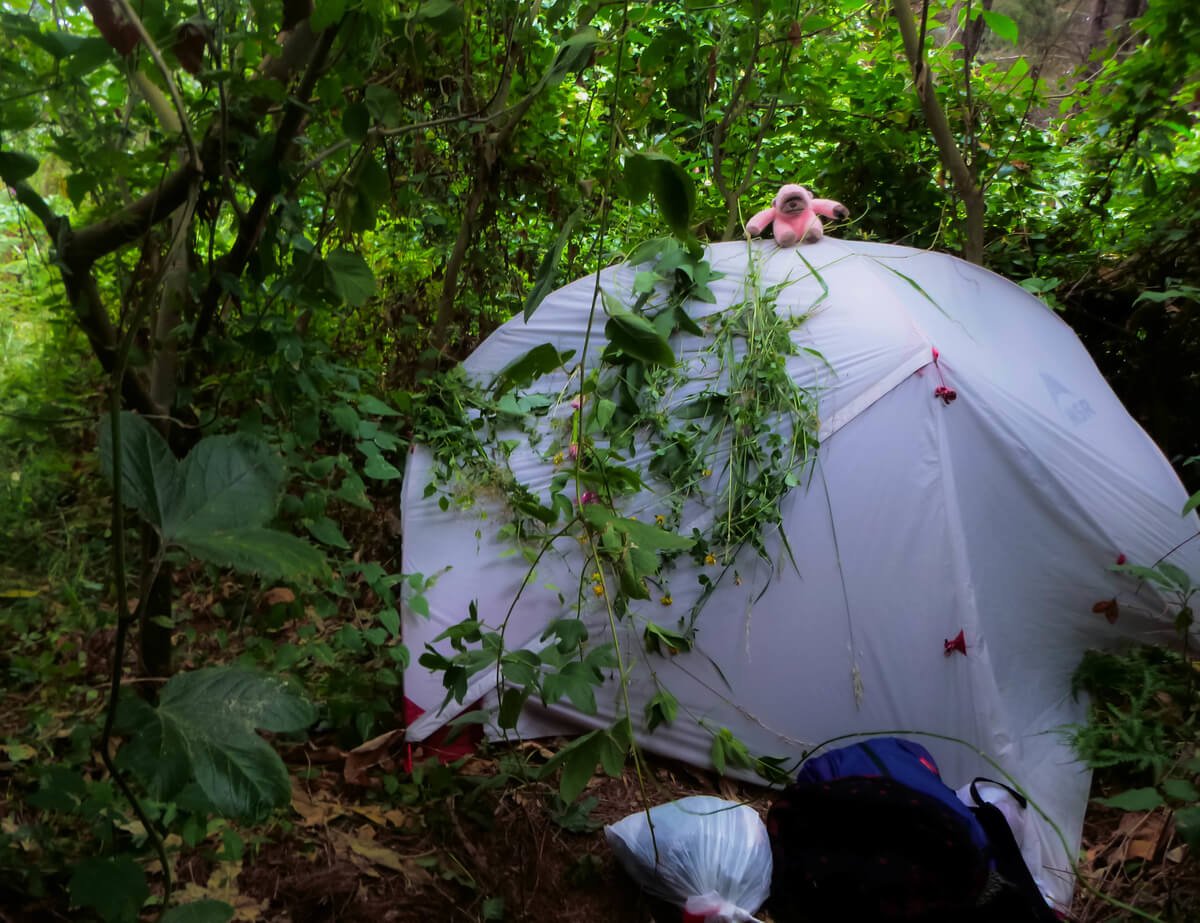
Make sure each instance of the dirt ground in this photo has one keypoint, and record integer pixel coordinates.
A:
(505, 853)
(363, 844)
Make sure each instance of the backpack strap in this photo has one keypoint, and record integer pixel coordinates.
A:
(874, 758)
(980, 801)
(1020, 887)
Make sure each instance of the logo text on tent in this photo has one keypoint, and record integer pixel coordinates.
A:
(1077, 410)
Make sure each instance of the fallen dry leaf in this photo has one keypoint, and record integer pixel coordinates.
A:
(375, 752)
(324, 754)
(1140, 835)
(222, 886)
(278, 595)
(307, 754)
(314, 810)
(361, 848)
(382, 817)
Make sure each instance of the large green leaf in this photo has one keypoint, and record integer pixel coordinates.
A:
(578, 761)
(1003, 26)
(348, 276)
(636, 337)
(204, 911)
(267, 552)
(215, 504)
(226, 482)
(326, 531)
(204, 729)
(356, 122)
(149, 471)
(157, 753)
(673, 190)
(115, 888)
(1181, 790)
(384, 105)
(544, 283)
(1187, 823)
(522, 371)
(381, 469)
(57, 43)
(445, 16)
(89, 55)
(572, 55)
(1136, 799)
(652, 537)
(1177, 575)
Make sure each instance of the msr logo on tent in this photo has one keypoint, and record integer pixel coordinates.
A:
(1077, 410)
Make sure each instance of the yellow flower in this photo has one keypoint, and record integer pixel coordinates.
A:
(666, 600)
(598, 589)
(707, 472)
(596, 577)
(558, 458)
(660, 519)
(710, 559)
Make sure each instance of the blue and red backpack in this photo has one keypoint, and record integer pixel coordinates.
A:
(871, 832)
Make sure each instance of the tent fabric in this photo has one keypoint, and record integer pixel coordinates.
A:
(996, 515)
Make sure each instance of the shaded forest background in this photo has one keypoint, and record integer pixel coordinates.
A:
(288, 221)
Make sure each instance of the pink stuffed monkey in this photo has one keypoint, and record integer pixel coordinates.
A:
(794, 215)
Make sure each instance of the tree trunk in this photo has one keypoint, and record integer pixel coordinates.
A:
(1097, 30)
(973, 246)
(1133, 9)
(965, 184)
(466, 234)
(156, 619)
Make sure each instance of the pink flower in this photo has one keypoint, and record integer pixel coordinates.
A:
(577, 403)
(946, 394)
(957, 644)
(588, 496)
(1121, 559)
(573, 450)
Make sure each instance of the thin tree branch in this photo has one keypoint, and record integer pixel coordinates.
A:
(733, 110)
(176, 99)
(39, 206)
(93, 319)
(968, 57)
(952, 158)
(251, 226)
(131, 222)
(119, 372)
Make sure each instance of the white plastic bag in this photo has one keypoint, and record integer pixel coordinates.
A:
(714, 857)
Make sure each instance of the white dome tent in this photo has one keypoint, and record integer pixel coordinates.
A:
(995, 515)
